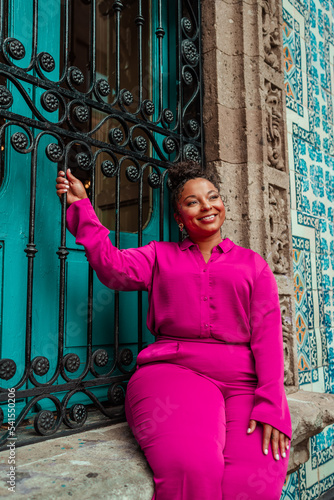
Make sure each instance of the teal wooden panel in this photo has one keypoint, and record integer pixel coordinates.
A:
(77, 304)
(1, 286)
(14, 213)
(76, 300)
(103, 314)
(14, 217)
(20, 16)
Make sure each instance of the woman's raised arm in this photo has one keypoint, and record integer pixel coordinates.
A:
(127, 270)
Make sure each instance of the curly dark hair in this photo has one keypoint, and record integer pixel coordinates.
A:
(180, 173)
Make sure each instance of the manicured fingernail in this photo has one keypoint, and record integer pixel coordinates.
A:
(283, 454)
(266, 452)
(68, 170)
(288, 447)
(277, 456)
(248, 430)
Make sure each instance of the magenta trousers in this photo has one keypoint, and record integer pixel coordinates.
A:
(188, 405)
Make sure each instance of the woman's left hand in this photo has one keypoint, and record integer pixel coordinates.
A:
(279, 441)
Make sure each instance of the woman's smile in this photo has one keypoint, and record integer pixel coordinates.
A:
(208, 218)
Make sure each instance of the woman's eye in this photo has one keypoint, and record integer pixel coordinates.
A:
(190, 203)
(214, 197)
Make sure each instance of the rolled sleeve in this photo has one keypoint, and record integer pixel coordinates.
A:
(270, 405)
(126, 270)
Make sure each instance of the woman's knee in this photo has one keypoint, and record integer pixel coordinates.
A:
(193, 460)
(262, 482)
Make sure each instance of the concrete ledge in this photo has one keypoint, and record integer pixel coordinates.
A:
(311, 412)
(103, 463)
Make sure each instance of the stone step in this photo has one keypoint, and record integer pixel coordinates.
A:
(101, 463)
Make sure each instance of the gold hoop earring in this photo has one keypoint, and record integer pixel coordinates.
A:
(181, 226)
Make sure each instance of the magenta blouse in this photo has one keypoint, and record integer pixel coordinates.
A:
(233, 298)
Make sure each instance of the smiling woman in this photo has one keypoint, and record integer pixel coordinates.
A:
(215, 312)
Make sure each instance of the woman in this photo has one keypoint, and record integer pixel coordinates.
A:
(206, 402)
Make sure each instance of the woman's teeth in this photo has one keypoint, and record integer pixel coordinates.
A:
(209, 217)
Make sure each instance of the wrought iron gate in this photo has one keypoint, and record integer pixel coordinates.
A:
(74, 108)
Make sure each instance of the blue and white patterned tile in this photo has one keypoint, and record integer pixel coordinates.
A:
(327, 380)
(326, 455)
(319, 385)
(314, 358)
(308, 482)
(330, 372)
(328, 309)
(316, 309)
(290, 488)
(305, 380)
(325, 334)
(329, 335)
(311, 156)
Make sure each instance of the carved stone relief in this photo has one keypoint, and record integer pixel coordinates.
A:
(274, 125)
(288, 340)
(280, 247)
(277, 205)
(280, 244)
(270, 31)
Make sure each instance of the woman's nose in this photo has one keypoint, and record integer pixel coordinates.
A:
(206, 205)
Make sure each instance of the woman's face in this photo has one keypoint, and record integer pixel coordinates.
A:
(201, 208)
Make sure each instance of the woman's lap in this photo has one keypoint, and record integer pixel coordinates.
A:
(196, 440)
(178, 419)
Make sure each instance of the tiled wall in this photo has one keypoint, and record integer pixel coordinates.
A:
(308, 37)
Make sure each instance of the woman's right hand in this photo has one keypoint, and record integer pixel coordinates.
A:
(72, 186)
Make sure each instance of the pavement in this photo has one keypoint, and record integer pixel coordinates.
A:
(100, 463)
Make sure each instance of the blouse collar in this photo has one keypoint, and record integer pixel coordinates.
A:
(225, 245)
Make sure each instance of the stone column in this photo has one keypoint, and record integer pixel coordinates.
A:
(245, 136)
